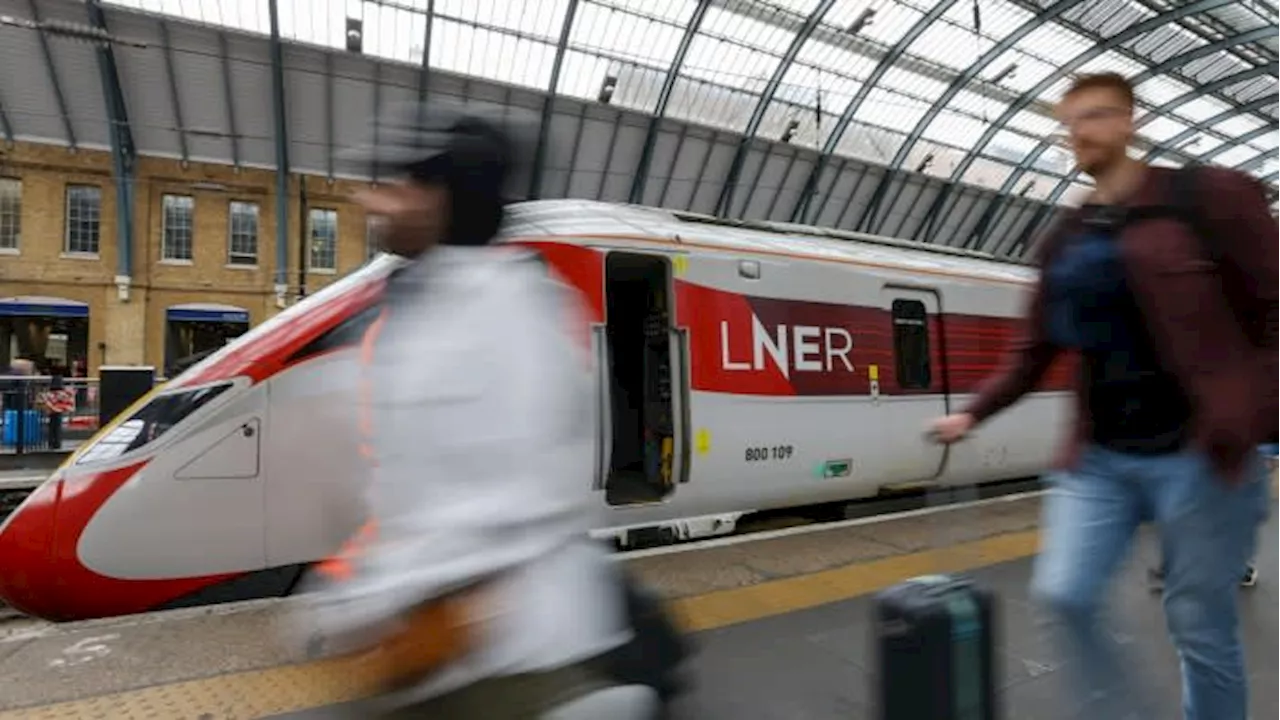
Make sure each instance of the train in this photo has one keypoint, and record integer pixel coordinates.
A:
(740, 367)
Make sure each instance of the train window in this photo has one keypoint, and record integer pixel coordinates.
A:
(348, 333)
(151, 421)
(911, 344)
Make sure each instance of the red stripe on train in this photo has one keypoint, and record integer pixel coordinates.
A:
(768, 346)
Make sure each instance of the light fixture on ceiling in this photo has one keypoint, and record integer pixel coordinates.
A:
(925, 163)
(787, 134)
(606, 89)
(863, 20)
(1004, 74)
(355, 35)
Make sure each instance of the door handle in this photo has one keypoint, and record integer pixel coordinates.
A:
(604, 408)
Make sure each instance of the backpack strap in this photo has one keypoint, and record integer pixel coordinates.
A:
(1188, 207)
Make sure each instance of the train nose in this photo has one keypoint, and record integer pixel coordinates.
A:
(27, 575)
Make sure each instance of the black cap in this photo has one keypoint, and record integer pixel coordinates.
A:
(469, 150)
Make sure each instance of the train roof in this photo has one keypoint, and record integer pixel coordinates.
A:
(586, 218)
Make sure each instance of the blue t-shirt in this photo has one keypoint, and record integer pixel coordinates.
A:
(1135, 406)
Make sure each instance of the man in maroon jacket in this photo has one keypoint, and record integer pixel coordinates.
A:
(1176, 332)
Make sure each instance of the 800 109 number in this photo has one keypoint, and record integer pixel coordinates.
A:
(776, 452)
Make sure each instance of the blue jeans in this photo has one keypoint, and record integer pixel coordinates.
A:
(1207, 533)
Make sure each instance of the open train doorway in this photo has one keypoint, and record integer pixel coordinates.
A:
(198, 329)
(646, 428)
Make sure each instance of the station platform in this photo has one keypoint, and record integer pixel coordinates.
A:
(781, 621)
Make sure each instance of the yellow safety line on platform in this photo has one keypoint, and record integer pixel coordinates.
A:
(293, 688)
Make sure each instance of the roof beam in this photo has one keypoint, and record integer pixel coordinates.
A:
(1245, 138)
(53, 76)
(1176, 61)
(374, 105)
(1066, 182)
(887, 61)
(641, 175)
(1173, 63)
(172, 76)
(1257, 160)
(5, 126)
(1088, 55)
(232, 134)
(282, 153)
(1129, 33)
(123, 152)
(771, 14)
(1192, 131)
(725, 203)
(544, 127)
(329, 111)
(1213, 87)
(961, 82)
(425, 67)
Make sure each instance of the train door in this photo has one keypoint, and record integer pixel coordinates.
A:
(917, 385)
(643, 385)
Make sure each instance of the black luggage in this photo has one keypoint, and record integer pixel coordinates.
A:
(935, 638)
(656, 652)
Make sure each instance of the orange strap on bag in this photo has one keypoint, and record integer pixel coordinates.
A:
(433, 634)
(338, 566)
(430, 637)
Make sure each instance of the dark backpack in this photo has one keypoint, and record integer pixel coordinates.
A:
(1184, 205)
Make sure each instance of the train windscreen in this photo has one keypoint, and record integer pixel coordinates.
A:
(151, 421)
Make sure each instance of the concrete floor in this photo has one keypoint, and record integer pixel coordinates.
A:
(781, 623)
(813, 664)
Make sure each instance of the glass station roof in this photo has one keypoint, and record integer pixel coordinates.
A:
(957, 89)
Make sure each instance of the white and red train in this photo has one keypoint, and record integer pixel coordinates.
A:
(742, 367)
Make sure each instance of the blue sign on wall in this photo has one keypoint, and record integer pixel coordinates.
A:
(22, 308)
(196, 315)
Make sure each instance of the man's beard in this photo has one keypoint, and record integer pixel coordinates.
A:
(1100, 162)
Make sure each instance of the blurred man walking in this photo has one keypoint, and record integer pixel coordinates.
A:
(1169, 296)
(478, 592)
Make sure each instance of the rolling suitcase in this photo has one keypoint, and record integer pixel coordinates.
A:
(936, 645)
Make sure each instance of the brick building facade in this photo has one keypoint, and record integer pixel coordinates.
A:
(204, 233)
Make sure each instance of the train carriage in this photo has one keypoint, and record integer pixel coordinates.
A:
(741, 367)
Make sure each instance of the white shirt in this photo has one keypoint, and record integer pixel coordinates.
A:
(484, 432)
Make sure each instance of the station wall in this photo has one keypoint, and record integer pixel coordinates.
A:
(50, 254)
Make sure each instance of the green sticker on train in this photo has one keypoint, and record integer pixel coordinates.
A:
(833, 469)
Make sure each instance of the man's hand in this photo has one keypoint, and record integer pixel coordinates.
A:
(952, 428)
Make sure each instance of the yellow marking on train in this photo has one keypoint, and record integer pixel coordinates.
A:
(702, 441)
(873, 373)
(294, 688)
(679, 264)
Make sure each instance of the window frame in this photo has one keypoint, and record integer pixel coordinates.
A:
(235, 259)
(67, 250)
(165, 246)
(899, 318)
(311, 240)
(13, 211)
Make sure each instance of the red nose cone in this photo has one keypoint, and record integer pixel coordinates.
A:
(26, 537)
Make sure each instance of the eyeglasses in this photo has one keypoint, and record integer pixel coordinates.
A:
(1089, 116)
